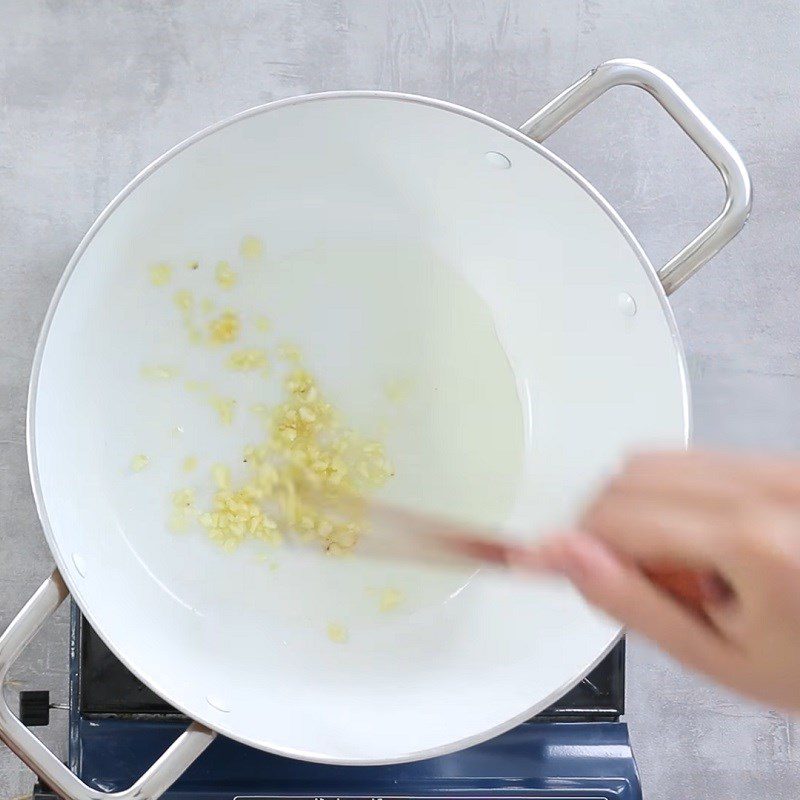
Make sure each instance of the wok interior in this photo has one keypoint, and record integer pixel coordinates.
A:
(387, 186)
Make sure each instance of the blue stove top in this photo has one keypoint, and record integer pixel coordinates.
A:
(541, 760)
(577, 750)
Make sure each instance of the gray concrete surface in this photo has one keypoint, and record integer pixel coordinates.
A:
(91, 92)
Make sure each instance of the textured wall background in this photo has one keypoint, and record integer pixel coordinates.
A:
(91, 92)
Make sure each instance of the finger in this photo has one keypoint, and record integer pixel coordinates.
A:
(694, 588)
(620, 590)
(768, 476)
(728, 618)
(750, 525)
(689, 483)
(647, 528)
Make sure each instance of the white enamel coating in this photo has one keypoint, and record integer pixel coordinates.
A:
(549, 258)
(516, 415)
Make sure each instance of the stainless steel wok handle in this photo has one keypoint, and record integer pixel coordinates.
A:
(738, 193)
(166, 770)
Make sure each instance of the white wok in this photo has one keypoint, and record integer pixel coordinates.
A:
(597, 363)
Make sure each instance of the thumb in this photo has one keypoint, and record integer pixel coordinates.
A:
(624, 592)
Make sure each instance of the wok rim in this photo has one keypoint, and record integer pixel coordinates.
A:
(63, 563)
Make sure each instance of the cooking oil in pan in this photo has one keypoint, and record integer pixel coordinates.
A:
(407, 353)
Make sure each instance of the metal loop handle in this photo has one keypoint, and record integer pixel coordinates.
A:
(166, 770)
(738, 192)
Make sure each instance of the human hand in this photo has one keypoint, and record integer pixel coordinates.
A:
(734, 520)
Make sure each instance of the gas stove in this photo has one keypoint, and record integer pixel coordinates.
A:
(576, 750)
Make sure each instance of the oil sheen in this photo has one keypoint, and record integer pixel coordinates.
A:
(407, 350)
(407, 353)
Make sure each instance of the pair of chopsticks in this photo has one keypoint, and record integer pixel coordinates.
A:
(400, 534)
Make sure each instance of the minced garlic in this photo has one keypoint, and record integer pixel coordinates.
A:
(288, 352)
(248, 359)
(390, 599)
(224, 275)
(398, 391)
(337, 633)
(236, 516)
(262, 411)
(139, 462)
(224, 328)
(224, 406)
(184, 301)
(160, 274)
(307, 478)
(183, 510)
(158, 372)
(221, 475)
(251, 247)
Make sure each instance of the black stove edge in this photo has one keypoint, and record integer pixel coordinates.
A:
(104, 687)
(600, 697)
